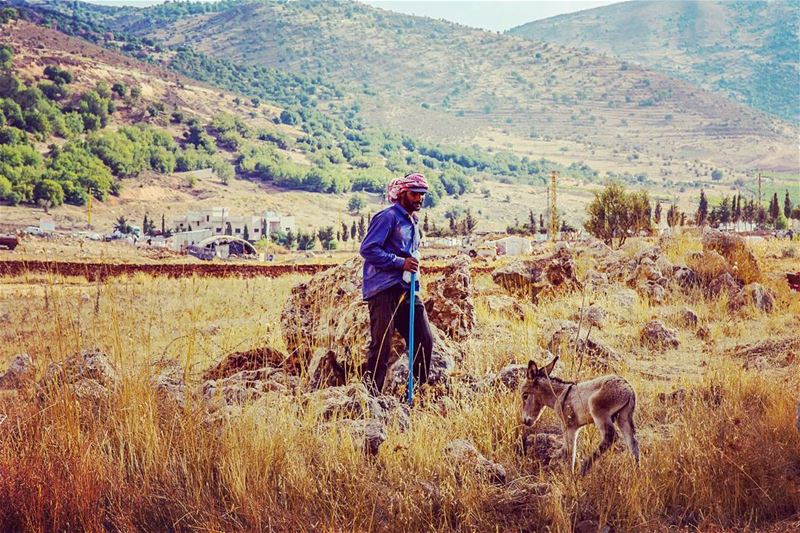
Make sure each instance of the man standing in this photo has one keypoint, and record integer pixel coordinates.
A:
(388, 249)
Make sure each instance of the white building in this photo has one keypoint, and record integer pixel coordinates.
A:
(182, 239)
(219, 221)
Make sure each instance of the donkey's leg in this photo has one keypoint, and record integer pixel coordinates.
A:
(571, 446)
(628, 430)
(607, 433)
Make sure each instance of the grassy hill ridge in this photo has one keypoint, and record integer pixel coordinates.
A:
(744, 50)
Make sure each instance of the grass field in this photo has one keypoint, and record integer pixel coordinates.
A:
(725, 457)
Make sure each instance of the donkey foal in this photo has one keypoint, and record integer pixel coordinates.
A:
(602, 401)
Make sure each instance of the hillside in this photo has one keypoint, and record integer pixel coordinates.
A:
(441, 81)
(749, 51)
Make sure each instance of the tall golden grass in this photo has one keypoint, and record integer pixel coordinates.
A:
(723, 454)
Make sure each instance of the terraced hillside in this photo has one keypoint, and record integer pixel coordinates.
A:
(450, 82)
(745, 50)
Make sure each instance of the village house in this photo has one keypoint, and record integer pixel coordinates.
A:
(219, 221)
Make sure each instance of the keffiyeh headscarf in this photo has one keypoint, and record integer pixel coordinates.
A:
(398, 185)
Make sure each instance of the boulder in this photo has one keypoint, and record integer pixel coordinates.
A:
(564, 338)
(247, 360)
(708, 265)
(449, 300)
(688, 318)
(354, 402)
(734, 249)
(656, 335)
(167, 379)
(443, 362)
(755, 295)
(247, 386)
(625, 298)
(686, 278)
(328, 312)
(324, 370)
(19, 374)
(597, 281)
(510, 376)
(545, 447)
(538, 278)
(595, 316)
(369, 434)
(466, 456)
(505, 305)
(89, 375)
(724, 284)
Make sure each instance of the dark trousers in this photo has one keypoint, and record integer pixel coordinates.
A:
(388, 310)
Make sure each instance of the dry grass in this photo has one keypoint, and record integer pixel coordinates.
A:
(725, 456)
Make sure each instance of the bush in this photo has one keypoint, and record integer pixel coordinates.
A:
(48, 193)
(615, 214)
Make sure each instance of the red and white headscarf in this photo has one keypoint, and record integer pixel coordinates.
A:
(397, 186)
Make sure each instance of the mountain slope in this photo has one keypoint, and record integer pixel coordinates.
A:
(747, 50)
(422, 76)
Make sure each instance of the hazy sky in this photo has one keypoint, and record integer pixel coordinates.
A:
(487, 14)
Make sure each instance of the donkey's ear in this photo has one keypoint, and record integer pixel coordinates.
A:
(548, 369)
(532, 369)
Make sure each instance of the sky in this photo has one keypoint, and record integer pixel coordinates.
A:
(494, 15)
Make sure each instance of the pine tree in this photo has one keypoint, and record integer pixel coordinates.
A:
(725, 211)
(163, 225)
(345, 232)
(541, 223)
(353, 231)
(469, 223)
(246, 233)
(774, 208)
(531, 221)
(145, 224)
(425, 223)
(787, 205)
(362, 228)
(657, 214)
(702, 209)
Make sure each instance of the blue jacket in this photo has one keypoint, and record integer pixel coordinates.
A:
(392, 236)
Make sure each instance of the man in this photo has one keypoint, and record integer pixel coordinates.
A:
(391, 240)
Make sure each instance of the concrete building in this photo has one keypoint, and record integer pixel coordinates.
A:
(182, 239)
(219, 221)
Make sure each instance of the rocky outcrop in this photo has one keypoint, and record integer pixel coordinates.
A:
(546, 446)
(504, 305)
(327, 312)
(658, 336)
(247, 386)
(464, 454)
(708, 265)
(538, 278)
(510, 377)
(725, 284)
(564, 338)
(89, 375)
(248, 360)
(19, 374)
(755, 295)
(733, 248)
(686, 317)
(449, 301)
(168, 381)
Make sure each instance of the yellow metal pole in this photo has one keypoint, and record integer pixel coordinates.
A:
(553, 213)
(89, 208)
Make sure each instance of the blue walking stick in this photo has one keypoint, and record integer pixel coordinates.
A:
(411, 339)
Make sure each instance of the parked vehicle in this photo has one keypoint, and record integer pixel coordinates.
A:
(8, 241)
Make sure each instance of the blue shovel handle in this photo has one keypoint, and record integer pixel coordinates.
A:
(411, 297)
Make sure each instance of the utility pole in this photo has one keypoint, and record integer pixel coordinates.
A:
(89, 208)
(552, 205)
(760, 200)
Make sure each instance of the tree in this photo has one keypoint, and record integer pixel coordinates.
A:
(362, 228)
(163, 225)
(657, 214)
(246, 233)
(122, 225)
(702, 209)
(425, 225)
(541, 224)
(531, 222)
(345, 234)
(353, 231)
(306, 241)
(48, 193)
(356, 204)
(725, 211)
(615, 214)
(228, 229)
(469, 222)
(774, 208)
(327, 238)
(787, 205)
(716, 174)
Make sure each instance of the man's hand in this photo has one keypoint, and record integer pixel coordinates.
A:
(410, 264)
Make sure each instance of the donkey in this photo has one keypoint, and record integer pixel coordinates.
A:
(602, 401)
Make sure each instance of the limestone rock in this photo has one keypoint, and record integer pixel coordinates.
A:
(724, 284)
(625, 298)
(19, 374)
(443, 362)
(595, 316)
(247, 386)
(369, 434)
(546, 447)
(537, 278)
(505, 305)
(466, 456)
(755, 295)
(734, 248)
(247, 360)
(564, 338)
(708, 265)
(510, 376)
(686, 278)
(688, 318)
(168, 381)
(324, 370)
(656, 335)
(89, 375)
(354, 402)
(449, 301)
